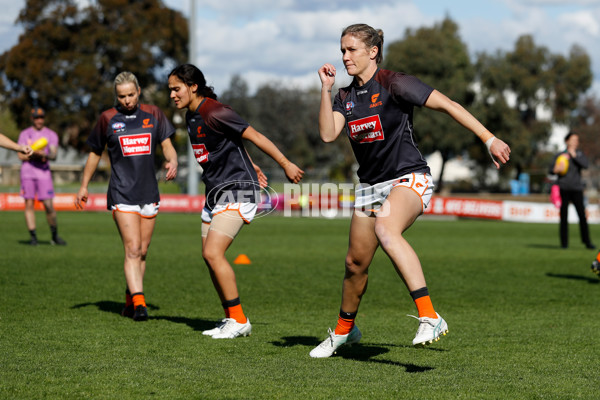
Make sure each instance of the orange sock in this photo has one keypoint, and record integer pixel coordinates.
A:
(598, 257)
(344, 326)
(138, 299)
(425, 307)
(236, 313)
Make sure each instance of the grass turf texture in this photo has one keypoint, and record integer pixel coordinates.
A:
(521, 312)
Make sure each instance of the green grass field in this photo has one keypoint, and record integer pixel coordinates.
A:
(522, 315)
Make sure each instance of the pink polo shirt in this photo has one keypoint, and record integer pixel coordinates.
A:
(37, 169)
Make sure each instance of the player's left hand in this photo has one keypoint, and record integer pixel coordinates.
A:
(499, 151)
(171, 168)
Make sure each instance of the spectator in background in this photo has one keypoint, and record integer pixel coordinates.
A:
(567, 165)
(10, 145)
(36, 178)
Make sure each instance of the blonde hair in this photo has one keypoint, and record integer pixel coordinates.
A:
(370, 36)
(125, 77)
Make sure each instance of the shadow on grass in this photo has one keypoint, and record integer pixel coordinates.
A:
(544, 246)
(357, 352)
(113, 307)
(197, 324)
(40, 243)
(594, 281)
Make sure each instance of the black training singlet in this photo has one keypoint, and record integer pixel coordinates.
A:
(131, 140)
(379, 124)
(215, 132)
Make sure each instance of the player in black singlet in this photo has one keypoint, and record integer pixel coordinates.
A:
(131, 131)
(396, 185)
(231, 180)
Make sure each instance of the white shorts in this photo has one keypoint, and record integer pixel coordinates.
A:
(246, 211)
(144, 210)
(371, 197)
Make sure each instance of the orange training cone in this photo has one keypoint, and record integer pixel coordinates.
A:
(242, 259)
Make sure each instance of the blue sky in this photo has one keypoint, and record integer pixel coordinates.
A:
(288, 40)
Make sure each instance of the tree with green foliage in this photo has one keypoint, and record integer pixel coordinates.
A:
(69, 54)
(288, 117)
(587, 125)
(439, 58)
(517, 85)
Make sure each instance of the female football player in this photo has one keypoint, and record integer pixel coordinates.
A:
(232, 184)
(131, 131)
(396, 184)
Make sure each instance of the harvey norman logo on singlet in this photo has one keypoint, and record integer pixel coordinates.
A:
(366, 130)
(136, 145)
(200, 152)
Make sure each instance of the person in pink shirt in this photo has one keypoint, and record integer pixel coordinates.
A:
(36, 178)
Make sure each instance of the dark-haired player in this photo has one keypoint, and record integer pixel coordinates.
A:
(396, 185)
(231, 180)
(130, 132)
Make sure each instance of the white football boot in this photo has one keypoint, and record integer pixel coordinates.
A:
(232, 329)
(430, 330)
(330, 345)
(216, 329)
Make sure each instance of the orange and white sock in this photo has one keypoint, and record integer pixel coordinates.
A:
(423, 303)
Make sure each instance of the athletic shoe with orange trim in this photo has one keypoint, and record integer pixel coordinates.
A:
(430, 330)
(329, 346)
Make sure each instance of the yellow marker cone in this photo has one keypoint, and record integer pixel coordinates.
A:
(242, 259)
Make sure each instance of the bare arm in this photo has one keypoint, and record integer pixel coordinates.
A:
(330, 123)
(88, 171)
(497, 148)
(171, 158)
(9, 144)
(293, 173)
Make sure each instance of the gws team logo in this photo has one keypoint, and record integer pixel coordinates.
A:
(147, 124)
(118, 127)
(200, 152)
(374, 102)
(136, 145)
(366, 130)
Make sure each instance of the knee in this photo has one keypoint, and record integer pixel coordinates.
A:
(133, 251)
(355, 266)
(211, 256)
(386, 236)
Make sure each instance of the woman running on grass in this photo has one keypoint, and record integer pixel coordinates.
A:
(396, 184)
(130, 131)
(232, 184)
